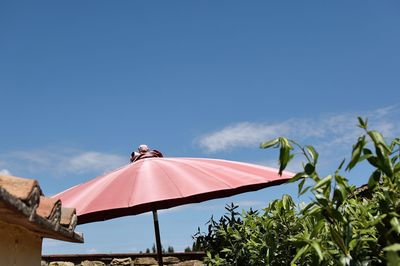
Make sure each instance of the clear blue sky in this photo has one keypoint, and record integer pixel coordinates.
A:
(83, 83)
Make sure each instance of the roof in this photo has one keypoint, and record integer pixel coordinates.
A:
(363, 192)
(23, 203)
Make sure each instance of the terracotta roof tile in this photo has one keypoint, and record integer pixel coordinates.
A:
(22, 202)
(50, 209)
(27, 190)
(68, 218)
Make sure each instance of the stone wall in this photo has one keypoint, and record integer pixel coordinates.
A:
(140, 261)
(131, 259)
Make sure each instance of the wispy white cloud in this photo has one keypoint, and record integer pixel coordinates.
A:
(5, 172)
(294, 166)
(60, 161)
(250, 204)
(240, 134)
(324, 130)
(89, 161)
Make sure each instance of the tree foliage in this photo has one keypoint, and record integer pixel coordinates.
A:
(338, 227)
(251, 238)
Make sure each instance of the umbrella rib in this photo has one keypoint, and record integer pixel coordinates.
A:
(205, 172)
(134, 182)
(171, 179)
(233, 169)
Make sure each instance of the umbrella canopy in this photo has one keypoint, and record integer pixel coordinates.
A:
(152, 184)
(160, 183)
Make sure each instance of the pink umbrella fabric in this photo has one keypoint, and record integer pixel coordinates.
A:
(159, 183)
(151, 184)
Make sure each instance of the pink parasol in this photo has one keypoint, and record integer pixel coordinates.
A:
(152, 184)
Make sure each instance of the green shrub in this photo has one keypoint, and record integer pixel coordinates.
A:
(250, 238)
(338, 227)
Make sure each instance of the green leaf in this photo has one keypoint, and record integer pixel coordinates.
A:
(367, 151)
(392, 258)
(341, 164)
(284, 153)
(323, 182)
(362, 123)
(384, 162)
(356, 153)
(338, 240)
(395, 225)
(226, 250)
(317, 228)
(353, 243)
(313, 153)
(286, 200)
(338, 196)
(269, 143)
(373, 160)
(363, 157)
(317, 248)
(309, 169)
(312, 209)
(397, 168)
(304, 190)
(301, 184)
(394, 247)
(378, 140)
(394, 214)
(299, 253)
(336, 215)
(374, 179)
(297, 177)
(322, 200)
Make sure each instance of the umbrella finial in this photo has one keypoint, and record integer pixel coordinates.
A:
(143, 148)
(144, 152)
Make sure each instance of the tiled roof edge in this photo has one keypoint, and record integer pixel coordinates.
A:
(28, 216)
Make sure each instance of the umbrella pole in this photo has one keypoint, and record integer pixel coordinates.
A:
(158, 240)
